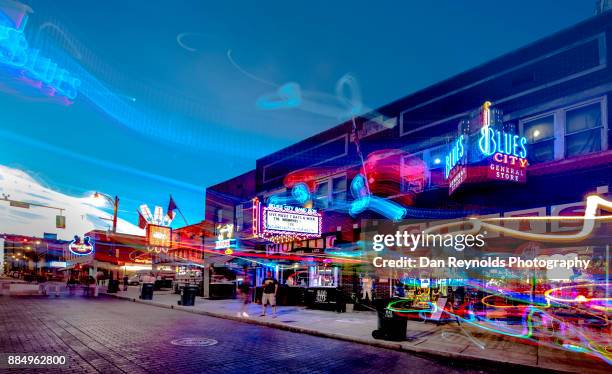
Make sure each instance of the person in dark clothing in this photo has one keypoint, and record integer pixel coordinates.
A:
(340, 301)
(125, 282)
(270, 289)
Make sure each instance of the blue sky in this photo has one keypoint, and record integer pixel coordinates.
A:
(200, 124)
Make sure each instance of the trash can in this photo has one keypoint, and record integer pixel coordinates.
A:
(391, 326)
(146, 292)
(188, 296)
(113, 286)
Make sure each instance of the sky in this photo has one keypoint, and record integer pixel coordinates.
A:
(171, 88)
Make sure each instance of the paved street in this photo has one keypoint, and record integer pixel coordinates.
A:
(108, 335)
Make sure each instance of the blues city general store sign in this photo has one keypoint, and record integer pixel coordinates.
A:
(486, 150)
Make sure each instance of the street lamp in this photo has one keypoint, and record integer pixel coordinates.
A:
(115, 203)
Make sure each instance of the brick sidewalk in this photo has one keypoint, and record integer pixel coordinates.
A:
(448, 340)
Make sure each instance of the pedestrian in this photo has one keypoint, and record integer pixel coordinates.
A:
(125, 282)
(270, 289)
(245, 294)
(340, 300)
(71, 284)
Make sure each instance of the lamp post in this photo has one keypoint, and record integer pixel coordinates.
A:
(115, 202)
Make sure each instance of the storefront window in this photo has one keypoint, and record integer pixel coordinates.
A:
(540, 134)
(323, 276)
(583, 130)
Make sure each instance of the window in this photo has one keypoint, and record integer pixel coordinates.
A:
(583, 130)
(239, 217)
(410, 181)
(219, 215)
(321, 195)
(330, 192)
(566, 132)
(436, 157)
(540, 134)
(338, 190)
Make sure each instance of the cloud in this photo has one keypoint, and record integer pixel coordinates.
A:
(81, 214)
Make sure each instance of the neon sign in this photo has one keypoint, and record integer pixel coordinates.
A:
(159, 238)
(16, 53)
(81, 248)
(503, 154)
(282, 223)
(455, 155)
(225, 237)
(492, 141)
(157, 218)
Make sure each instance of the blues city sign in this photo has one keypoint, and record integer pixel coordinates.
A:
(499, 154)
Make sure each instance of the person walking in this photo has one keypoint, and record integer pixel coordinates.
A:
(245, 295)
(125, 282)
(270, 289)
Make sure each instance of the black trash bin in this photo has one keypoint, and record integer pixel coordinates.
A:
(188, 296)
(391, 326)
(146, 292)
(113, 286)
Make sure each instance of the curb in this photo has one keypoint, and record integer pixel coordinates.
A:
(380, 344)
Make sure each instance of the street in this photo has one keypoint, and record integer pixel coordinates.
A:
(114, 336)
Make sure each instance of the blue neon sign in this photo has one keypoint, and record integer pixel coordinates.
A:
(494, 141)
(454, 156)
(16, 53)
(81, 248)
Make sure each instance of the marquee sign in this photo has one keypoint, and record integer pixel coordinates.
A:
(159, 238)
(282, 223)
(81, 248)
(497, 154)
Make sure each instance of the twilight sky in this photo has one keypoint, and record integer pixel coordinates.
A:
(182, 79)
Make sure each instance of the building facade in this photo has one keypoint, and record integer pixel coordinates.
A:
(552, 93)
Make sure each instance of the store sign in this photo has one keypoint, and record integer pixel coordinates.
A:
(81, 247)
(225, 243)
(502, 153)
(159, 236)
(285, 218)
(225, 236)
(285, 222)
(321, 296)
(58, 264)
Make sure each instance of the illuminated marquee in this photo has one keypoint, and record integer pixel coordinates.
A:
(159, 238)
(282, 223)
(81, 248)
(15, 53)
(502, 153)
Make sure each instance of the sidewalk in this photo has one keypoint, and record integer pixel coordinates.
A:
(447, 340)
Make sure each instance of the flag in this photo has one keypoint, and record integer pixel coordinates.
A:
(171, 206)
(142, 222)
